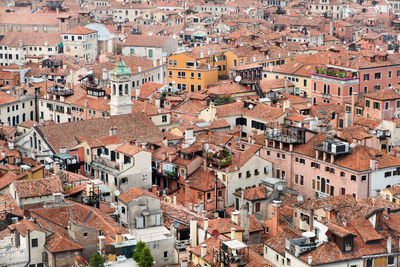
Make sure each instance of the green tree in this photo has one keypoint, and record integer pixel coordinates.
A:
(146, 259)
(138, 250)
(96, 260)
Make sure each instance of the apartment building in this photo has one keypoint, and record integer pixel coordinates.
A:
(80, 42)
(20, 48)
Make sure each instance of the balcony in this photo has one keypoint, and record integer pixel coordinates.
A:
(104, 160)
(60, 91)
(286, 134)
(182, 244)
(324, 95)
(300, 246)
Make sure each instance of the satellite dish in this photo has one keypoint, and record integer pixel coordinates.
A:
(280, 187)
(299, 198)
(117, 193)
(238, 78)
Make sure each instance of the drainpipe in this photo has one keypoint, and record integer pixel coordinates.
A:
(29, 248)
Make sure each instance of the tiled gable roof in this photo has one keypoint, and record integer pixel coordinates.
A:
(134, 193)
(59, 243)
(38, 187)
(134, 126)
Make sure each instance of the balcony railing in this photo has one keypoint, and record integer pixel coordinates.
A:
(60, 91)
(324, 95)
(182, 244)
(107, 162)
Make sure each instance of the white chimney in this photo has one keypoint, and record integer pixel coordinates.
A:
(139, 68)
(309, 260)
(389, 244)
(233, 233)
(105, 74)
(201, 54)
(203, 252)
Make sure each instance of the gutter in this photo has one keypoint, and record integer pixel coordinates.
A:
(29, 248)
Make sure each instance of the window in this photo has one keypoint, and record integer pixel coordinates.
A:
(369, 263)
(388, 174)
(363, 178)
(366, 77)
(257, 207)
(123, 210)
(248, 174)
(256, 172)
(199, 75)
(390, 74)
(208, 195)
(376, 105)
(164, 118)
(342, 174)
(390, 260)
(302, 161)
(377, 75)
(85, 234)
(34, 242)
(353, 178)
(150, 53)
(367, 103)
(386, 105)
(166, 255)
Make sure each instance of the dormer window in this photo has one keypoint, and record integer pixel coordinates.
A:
(348, 245)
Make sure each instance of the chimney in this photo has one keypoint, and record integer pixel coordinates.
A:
(105, 74)
(174, 199)
(353, 104)
(144, 146)
(233, 233)
(187, 194)
(205, 224)
(309, 260)
(244, 223)
(389, 244)
(154, 62)
(139, 68)
(171, 156)
(193, 233)
(276, 212)
(101, 243)
(118, 238)
(235, 217)
(56, 167)
(154, 189)
(201, 54)
(20, 43)
(203, 252)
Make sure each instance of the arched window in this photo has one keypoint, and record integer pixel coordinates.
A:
(350, 90)
(120, 89)
(126, 89)
(31, 115)
(23, 117)
(114, 90)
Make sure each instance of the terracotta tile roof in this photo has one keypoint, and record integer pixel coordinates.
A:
(385, 94)
(38, 187)
(59, 243)
(23, 226)
(359, 159)
(7, 179)
(6, 99)
(178, 213)
(55, 219)
(134, 193)
(12, 39)
(256, 193)
(369, 123)
(135, 126)
(278, 243)
(355, 132)
(36, 18)
(213, 242)
(264, 112)
(10, 205)
(204, 180)
(80, 30)
(146, 41)
(229, 109)
(128, 149)
(239, 158)
(147, 89)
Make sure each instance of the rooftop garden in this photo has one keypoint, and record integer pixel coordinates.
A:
(331, 72)
(221, 158)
